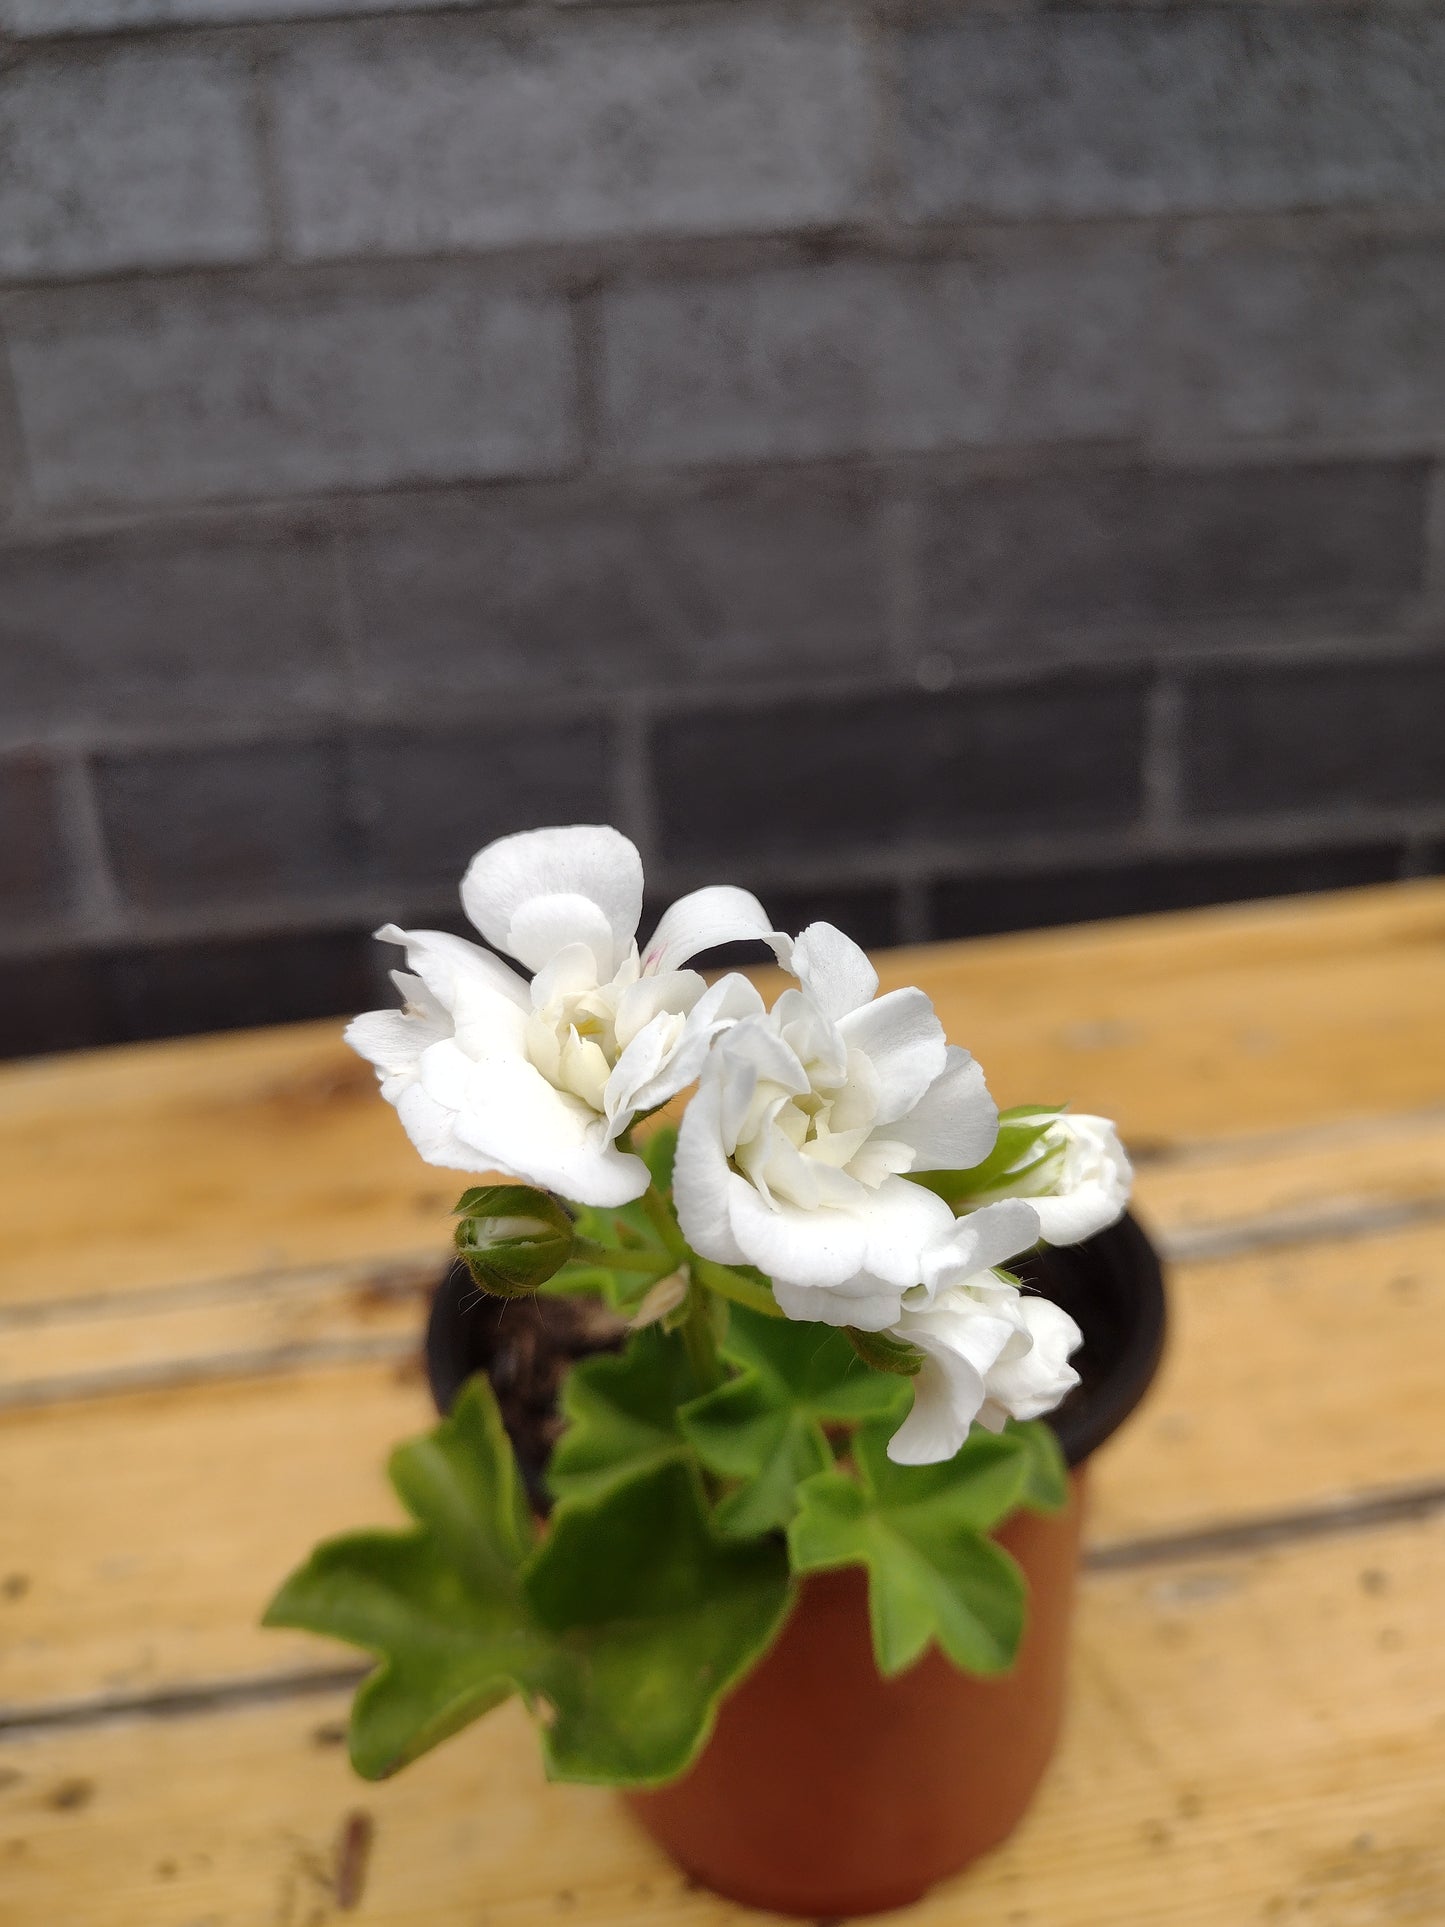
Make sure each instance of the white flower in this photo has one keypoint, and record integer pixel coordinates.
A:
(536, 1081)
(792, 1151)
(990, 1352)
(1091, 1181)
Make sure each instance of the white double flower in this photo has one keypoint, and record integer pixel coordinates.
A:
(537, 1079)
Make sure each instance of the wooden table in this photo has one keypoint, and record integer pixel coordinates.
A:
(212, 1277)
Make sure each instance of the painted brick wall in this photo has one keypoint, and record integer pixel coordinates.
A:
(952, 468)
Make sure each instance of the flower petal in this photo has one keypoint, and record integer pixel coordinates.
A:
(721, 1005)
(864, 1302)
(455, 972)
(832, 969)
(718, 914)
(900, 1221)
(800, 1247)
(582, 864)
(954, 1124)
(949, 1392)
(522, 1125)
(1035, 1381)
(975, 1244)
(701, 1177)
(901, 1037)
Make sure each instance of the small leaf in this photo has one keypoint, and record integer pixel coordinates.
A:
(621, 1412)
(627, 1623)
(512, 1238)
(1047, 1485)
(919, 1531)
(765, 1427)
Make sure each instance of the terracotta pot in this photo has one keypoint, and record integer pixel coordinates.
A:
(826, 1790)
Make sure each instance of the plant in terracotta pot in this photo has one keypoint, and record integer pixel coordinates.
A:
(768, 1562)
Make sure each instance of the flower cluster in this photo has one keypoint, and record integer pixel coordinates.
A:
(801, 1150)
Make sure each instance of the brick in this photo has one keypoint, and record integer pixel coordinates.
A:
(760, 578)
(850, 357)
(25, 17)
(1091, 555)
(177, 990)
(1329, 736)
(430, 798)
(430, 135)
(224, 826)
(810, 779)
(1339, 341)
(136, 158)
(35, 878)
(976, 906)
(168, 624)
(192, 394)
(1163, 111)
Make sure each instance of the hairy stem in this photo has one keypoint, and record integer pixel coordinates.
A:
(697, 1332)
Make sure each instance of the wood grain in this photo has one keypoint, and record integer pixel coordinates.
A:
(1251, 1739)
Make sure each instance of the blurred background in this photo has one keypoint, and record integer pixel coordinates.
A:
(951, 470)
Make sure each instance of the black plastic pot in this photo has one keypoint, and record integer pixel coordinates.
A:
(1111, 1286)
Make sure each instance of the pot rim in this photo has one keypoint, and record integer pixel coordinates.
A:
(1123, 1257)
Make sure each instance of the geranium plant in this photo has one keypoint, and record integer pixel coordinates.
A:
(827, 1362)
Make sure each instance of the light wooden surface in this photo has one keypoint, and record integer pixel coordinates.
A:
(212, 1276)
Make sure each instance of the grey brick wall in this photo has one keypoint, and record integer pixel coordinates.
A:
(952, 468)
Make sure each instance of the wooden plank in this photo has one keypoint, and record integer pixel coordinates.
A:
(1295, 1377)
(239, 1327)
(144, 1534)
(151, 1527)
(1254, 1738)
(227, 1157)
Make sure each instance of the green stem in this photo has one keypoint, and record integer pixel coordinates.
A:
(742, 1291)
(614, 1257)
(697, 1332)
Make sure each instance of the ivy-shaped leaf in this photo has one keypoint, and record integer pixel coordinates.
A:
(440, 1606)
(622, 1629)
(621, 1412)
(919, 1530)
(765, 1427)
(656, 1619)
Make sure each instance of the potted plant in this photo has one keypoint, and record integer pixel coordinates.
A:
(768, 1566)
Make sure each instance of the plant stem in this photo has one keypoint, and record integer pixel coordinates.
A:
(697, 1332)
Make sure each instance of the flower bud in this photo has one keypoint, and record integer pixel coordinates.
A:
(512, 1238)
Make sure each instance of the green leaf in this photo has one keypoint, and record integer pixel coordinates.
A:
(624, 1257)
(654, 1621)
(622, 1629)
(765, 1427)
(512, 1237)
(1046, 1488)
(440, 1606)
(919, 1530)
(621, 1412)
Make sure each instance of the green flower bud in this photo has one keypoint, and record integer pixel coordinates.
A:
(512, 1238)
